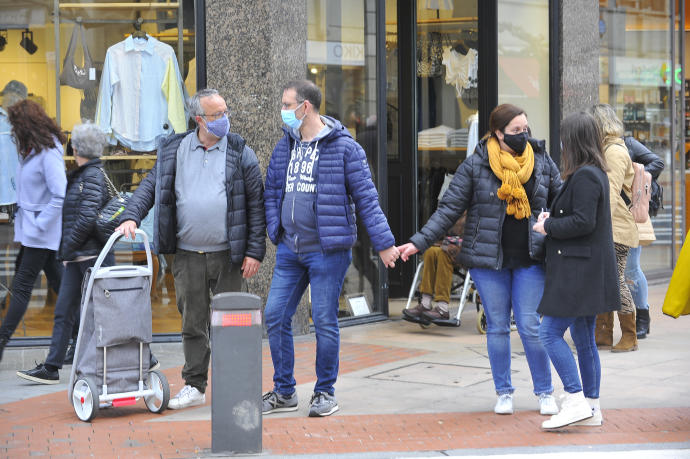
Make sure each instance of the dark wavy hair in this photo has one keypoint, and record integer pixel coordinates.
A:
(581, 138)
(33, 128)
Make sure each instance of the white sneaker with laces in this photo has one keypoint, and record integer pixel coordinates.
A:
(597, 418)
(504, 404)
(547, 404)
(574, 408)
(188, 396)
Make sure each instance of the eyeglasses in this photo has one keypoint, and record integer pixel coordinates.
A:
(290, 104)
(216, 115)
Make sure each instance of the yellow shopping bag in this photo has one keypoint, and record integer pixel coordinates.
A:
(677, 301)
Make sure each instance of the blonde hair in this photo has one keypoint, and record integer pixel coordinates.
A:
(610, 125)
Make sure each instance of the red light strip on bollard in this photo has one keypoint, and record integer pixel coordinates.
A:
(235, 318)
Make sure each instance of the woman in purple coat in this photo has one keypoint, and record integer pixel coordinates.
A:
(41, 184)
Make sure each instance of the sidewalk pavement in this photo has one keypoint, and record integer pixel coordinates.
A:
(403, 391)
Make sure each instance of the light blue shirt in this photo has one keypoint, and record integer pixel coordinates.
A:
(132, 105)
(8, 161)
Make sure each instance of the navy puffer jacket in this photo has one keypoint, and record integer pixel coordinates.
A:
(245, 220)
(85, 195)
(344, 186)
(473, 188)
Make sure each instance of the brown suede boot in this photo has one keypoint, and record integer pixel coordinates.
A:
(628, 341)
(603, 331)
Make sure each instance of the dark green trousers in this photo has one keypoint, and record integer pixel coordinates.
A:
(199, 276)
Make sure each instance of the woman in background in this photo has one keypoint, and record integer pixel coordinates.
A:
(41, 183)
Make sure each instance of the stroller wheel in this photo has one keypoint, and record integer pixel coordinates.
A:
(481, 321)
(85, 399)
(157, 402)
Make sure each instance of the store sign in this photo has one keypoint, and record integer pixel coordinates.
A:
(22, 17)
(335, 53)
(639, 72)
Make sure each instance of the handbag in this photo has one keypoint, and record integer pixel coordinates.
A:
(73, 75)
(110, 214)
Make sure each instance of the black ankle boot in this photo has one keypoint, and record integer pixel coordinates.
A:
(642, 325)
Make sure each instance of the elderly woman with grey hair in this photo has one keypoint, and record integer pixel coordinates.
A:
(79, 247)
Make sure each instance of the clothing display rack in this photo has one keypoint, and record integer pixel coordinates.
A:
(58, 18)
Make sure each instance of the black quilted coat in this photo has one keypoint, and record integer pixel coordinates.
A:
(246, 224)
(473, 188)
(86, 194)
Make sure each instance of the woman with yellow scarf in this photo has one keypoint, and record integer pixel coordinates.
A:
(504, 186)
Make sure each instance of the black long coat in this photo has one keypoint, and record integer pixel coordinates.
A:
(581, 275)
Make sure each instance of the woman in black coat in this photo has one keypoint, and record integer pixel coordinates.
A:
(581, 277)
(503, 187)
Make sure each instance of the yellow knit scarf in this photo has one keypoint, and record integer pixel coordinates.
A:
(513, 171)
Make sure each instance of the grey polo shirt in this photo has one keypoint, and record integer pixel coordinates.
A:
(202, 203)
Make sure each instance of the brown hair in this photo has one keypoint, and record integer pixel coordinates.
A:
(581, 138)
(33, 128)
(501, 117)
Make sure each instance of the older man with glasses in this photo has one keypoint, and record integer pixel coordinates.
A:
(208, 192)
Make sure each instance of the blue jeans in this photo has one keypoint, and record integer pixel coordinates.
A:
(67, 307)
(582, 331)
(520, 289)
(637, 282)
(293, 272)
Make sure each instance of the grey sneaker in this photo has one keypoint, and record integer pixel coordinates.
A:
(322, 404)
(273, 402)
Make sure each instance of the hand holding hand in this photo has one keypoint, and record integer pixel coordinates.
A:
(389, 256)
(127, 228)
(250, 266)
(539, 226)
(407, 250)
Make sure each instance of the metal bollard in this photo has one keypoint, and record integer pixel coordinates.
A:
(236, 333)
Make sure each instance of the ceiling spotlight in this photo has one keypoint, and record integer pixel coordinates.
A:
(3, 39)
(28, 41)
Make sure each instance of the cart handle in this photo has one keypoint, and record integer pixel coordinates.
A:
(111, 242)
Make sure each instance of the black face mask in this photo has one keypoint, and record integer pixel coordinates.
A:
(517, 142)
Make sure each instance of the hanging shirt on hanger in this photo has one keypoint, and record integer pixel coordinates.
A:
(473, 136)
(141, 94)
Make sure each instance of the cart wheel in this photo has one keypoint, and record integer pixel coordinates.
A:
(85, 399)
(158, 402)
(481, 320)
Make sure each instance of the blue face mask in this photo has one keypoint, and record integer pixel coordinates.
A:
(290, 119)
(219, 127)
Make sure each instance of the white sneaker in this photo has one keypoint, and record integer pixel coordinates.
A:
(597, 418)
(547, 404)
(504, 404)
(188, 396)
(574, 408)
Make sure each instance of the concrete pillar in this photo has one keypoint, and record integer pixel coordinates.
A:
(579, 54)
(252, 49)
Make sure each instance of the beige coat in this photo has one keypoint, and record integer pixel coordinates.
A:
(646, 232)
(620, 175)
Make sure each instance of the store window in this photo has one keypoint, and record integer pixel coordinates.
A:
(636, 72)
(447, 95)
(341, 60)
(523, 60)
(87, 61)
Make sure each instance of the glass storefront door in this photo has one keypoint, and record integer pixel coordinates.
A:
(636, 72)
(341, 60)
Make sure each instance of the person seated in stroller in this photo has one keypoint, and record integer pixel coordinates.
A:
(437, 276)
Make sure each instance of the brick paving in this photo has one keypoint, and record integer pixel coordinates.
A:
(47, 426)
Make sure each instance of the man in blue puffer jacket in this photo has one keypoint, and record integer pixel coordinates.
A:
(317, 178)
